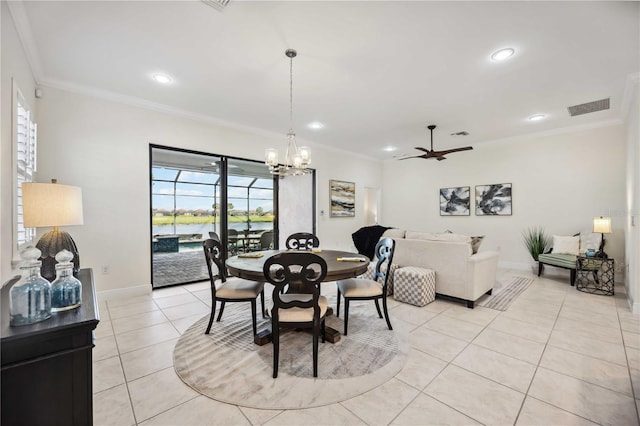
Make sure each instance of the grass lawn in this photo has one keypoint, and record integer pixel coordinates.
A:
(199, 220)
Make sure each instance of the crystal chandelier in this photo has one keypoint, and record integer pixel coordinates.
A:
(296, 160)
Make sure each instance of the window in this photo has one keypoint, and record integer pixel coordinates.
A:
(25, 135)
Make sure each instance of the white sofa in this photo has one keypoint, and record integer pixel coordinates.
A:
(460, 274)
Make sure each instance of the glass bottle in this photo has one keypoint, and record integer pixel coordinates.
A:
(66, 290)
(30, 297)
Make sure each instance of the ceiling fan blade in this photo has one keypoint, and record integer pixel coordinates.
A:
(441, 158)
(416, 156)
(449, 151)
(423, 149)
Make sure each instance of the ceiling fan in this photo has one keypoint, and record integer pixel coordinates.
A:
(439, 155)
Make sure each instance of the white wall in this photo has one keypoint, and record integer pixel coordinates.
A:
(14, 65)
(559, 182)
(103, 147)
(632, 225)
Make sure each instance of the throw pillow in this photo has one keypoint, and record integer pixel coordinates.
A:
(475, 243)
(566, 245)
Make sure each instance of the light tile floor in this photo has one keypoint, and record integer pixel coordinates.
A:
(555, 357)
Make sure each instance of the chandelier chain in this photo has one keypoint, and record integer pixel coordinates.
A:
(291, 93)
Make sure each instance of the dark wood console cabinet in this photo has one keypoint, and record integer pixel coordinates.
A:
(47, 366)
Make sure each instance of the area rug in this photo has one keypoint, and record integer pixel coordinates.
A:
(503, 297)
(227, 366)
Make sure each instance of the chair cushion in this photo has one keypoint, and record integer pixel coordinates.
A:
(566, 245)
(300, 314)
(356, 287)
(238, 288)
(563, 260)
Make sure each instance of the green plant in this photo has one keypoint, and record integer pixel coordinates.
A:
(535, 240)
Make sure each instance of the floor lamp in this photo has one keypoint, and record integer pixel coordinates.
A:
(602, 225)
(52, 204)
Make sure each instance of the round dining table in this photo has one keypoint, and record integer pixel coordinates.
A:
(250, 268)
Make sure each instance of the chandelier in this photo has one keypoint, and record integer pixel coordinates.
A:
(296, 160)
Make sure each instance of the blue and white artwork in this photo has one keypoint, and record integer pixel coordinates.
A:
(493, 200)
(455, 201)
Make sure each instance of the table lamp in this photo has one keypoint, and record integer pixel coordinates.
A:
(51, 204)
(603, 226)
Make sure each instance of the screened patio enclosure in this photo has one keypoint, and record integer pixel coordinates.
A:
(195, 196)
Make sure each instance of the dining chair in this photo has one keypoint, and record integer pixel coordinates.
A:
(266, 240)
(214, 235)
(238, 290)
(234, 241)
(365, 289)
(302, 241)
(306, 309)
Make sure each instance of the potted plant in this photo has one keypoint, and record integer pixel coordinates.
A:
(536, 242)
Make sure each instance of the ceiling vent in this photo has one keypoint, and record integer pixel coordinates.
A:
(463, 133)
(589, 107)
(217, 4)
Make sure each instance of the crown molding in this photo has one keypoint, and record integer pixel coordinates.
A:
(153, 106)
(21, 22)
(630, 90)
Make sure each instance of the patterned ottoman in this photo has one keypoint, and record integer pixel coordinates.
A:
(413, 285)
(371, 269)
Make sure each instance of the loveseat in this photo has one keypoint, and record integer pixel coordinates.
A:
(460, 274)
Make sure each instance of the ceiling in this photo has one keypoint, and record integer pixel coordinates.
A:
(375, 73)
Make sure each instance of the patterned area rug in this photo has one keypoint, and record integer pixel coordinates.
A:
(503, 297)
(227, 366)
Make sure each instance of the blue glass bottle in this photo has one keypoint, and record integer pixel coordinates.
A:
(30, 297)
(66, 290)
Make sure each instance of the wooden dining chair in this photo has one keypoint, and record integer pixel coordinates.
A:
(298, 310)
(238, 290)
(364, 289)
(302, 241)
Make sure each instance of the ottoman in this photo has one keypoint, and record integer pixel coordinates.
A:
(414, 285)
(371, 269)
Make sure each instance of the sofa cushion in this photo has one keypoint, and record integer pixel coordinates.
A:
(394, 233)
(562, 260)
(412, 235)
(566, 245)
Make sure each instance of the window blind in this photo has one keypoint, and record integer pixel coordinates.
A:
(26, 136)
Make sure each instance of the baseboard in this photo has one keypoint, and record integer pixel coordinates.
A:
(121, 293)
(634, 307)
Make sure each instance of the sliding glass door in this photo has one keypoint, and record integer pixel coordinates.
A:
(195, 196)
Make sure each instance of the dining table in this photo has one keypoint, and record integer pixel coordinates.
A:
(249, 266)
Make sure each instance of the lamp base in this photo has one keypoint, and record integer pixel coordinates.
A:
(51, 244)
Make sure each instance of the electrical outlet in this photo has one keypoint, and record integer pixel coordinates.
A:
(105, 270)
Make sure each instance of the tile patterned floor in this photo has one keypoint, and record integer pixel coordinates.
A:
(556, 356)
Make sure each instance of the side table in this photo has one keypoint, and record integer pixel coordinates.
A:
(595, 275)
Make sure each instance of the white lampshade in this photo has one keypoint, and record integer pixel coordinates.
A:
(602, 225)
(51, 204)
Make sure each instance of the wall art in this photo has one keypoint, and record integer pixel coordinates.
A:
(455, 201)
(493, 200)
(343, 198)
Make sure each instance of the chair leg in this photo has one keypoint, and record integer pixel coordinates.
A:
(264, 313)
(540, 266)
(346, 316)
(324, 332)
(213, 315)
(316, 331)
(254, 321)
(386, 313)
(275, 338)
(573, 277)
(221, 311)
(338, 305)
(378, 307)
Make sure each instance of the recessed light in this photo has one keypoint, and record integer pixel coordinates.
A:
(162, 78)
(315, 125)
(502, 54)
(537, 117)
(389, 148)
